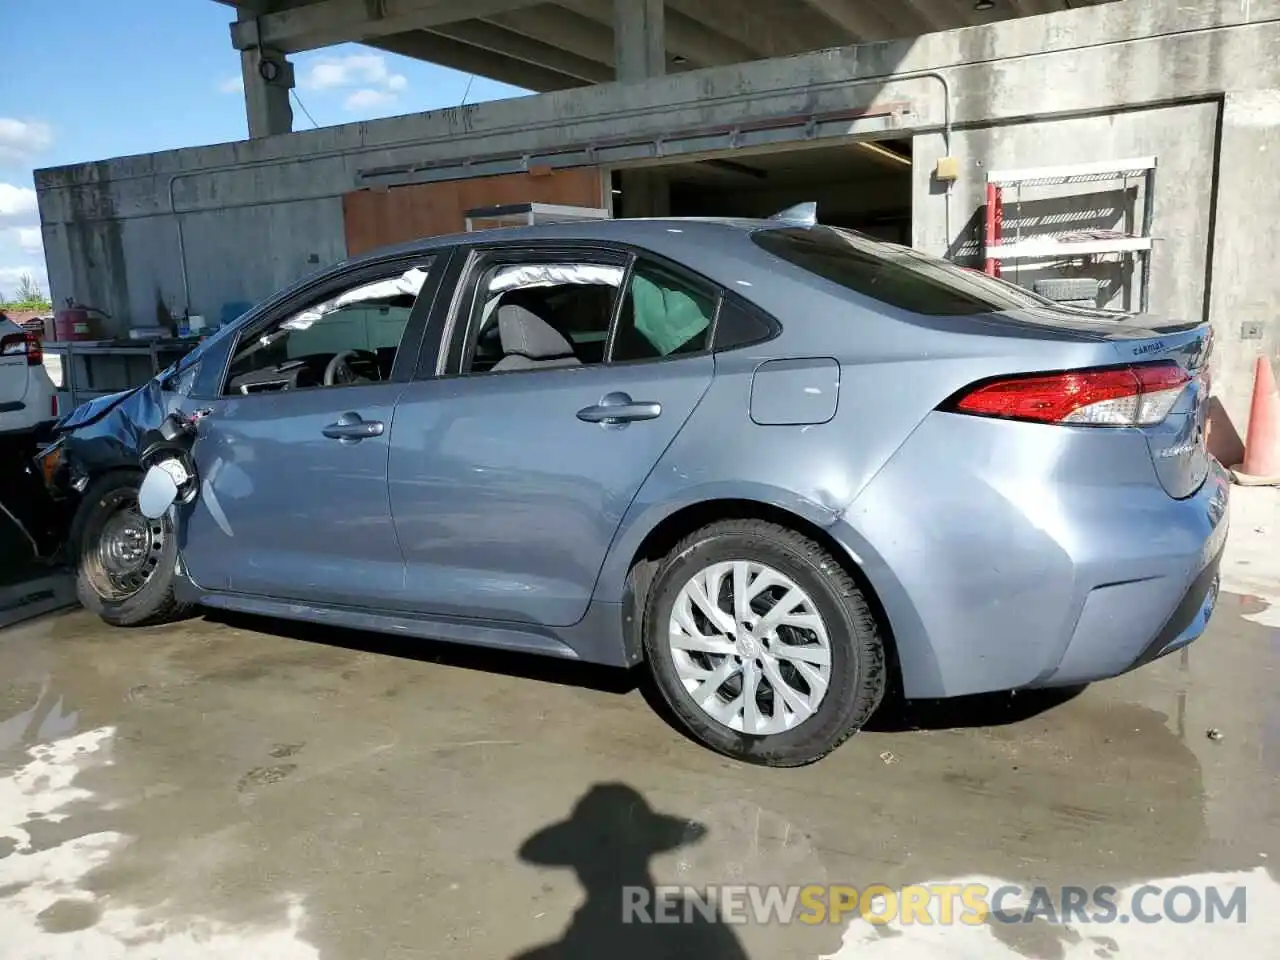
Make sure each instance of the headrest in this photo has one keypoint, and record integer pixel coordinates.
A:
(528, 335)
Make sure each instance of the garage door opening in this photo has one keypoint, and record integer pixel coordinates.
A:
(862, 185)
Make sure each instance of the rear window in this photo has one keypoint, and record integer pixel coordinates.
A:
(893, 274)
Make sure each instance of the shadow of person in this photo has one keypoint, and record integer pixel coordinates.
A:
(607, 842)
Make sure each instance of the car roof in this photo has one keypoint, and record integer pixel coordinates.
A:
(644, 232)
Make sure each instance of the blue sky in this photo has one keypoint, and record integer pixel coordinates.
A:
(107, 79)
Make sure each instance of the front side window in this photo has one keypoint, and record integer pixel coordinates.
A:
(346, 338)
(662, 315)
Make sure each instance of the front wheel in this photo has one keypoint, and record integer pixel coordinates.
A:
(762, 644)
(125, 563)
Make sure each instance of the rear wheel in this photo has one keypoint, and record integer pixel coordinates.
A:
(124, 561)
(762, 644)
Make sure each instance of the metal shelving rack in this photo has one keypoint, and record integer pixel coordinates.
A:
(1076, 243)
(158, 353)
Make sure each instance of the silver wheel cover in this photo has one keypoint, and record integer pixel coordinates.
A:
(750, 647)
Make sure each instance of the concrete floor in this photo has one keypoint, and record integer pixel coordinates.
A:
(252, 789)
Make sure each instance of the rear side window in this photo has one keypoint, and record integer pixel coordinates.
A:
(662, 316)
(564, 309)
(892, 274)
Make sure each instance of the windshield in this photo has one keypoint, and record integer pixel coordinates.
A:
(894, 274)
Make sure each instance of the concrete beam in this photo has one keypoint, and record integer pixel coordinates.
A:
(758, 26)
(448, 52)
(329, 22)
(1027, 8)
(488, 36)
(861, 21)
(946, 14)
(563, 28)
(639, 39)
(685, 37)
(1023, 8)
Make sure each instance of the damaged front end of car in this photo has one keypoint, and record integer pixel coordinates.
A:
(113, 432)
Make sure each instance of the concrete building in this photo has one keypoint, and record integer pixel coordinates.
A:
(715, 106)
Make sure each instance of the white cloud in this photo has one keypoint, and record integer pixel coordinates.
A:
(29, 239)
(232, 84)
(375, 85)
(16, 201)
(21, 139)
(329, 73)
(368, 99)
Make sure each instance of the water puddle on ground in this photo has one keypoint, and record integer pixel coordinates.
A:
(49, 718)
(47, 909)
(1261, 610)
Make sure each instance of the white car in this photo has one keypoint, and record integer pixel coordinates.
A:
(27, 395)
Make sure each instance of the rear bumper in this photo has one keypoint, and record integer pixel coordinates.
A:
(1190, 619)
(1098, 650)
(1009, 556)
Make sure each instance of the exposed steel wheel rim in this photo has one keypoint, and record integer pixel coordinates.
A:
(125, 548)
(750, 647)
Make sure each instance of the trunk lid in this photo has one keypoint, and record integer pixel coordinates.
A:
(1098, 324)
(1177, 444)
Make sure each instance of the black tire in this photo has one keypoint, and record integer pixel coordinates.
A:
(858, 674)
(153, 601)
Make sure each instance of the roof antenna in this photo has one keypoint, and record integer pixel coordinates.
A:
(803, 213)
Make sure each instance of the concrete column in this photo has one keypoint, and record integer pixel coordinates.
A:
(639, 39)
(640, 52)
(1243, 295)
(268, 78)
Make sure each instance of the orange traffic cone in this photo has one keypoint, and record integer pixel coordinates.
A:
(1261, 465)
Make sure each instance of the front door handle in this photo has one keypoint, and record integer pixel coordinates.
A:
(619, 408)
(351, 428)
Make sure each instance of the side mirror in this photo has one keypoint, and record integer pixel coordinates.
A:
(157, 494)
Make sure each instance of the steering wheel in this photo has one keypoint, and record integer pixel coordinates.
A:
(342, 368)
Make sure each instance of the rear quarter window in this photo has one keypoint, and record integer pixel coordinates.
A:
(893, 275)
(740, 324)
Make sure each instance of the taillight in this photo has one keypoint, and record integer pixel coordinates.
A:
(22, 344)
(1137, 395)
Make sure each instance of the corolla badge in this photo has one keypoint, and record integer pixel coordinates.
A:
(1178, 450)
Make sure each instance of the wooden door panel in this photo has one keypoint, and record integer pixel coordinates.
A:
(377, 217)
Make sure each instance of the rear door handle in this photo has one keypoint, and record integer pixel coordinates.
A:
(616, 408)
(350, 428)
